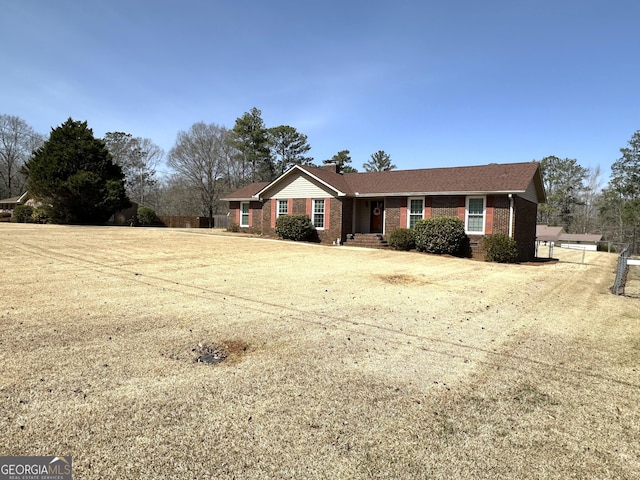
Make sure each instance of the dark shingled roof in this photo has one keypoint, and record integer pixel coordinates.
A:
(499, 178)
(513, 177)
(246, 192)
(545, 233)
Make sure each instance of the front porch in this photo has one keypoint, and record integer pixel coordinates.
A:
(368, 216)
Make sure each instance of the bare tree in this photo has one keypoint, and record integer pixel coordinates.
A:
(138, 157)
(199, 157)
(586, 216)
(17, 142)
(174, 195)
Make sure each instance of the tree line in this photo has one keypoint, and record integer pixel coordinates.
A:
(210, 160)
(206, 161)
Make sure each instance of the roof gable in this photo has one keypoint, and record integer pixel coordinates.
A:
(332, 181)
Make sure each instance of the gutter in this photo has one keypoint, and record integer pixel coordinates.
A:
(510, 216)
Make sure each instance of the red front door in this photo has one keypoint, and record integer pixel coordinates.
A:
(377, 209)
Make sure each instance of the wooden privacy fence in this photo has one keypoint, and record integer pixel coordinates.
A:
(184, 221)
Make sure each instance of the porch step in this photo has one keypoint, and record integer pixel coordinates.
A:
(367, 240)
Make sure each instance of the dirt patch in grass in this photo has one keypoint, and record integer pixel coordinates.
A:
(402, 279)
(339, 362)
(209, 352)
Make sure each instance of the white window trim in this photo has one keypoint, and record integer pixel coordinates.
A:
(278, 214)
(409, 209)
(248, 214)
(484, 215)
(324, 212)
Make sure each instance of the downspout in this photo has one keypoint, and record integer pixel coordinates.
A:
(510, 215)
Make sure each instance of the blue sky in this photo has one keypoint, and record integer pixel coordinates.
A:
(456, 82)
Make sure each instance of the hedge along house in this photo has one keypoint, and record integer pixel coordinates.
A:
(489, 199)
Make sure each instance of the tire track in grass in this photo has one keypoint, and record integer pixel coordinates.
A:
(287, 312)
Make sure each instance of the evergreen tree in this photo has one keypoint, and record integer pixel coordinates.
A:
(379, 162)
(564, 182)
(289, 148)
(74, 177)
(252, 141)
(342, 159)
(620, 202)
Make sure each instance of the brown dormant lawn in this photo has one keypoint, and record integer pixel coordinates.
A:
(340, 362)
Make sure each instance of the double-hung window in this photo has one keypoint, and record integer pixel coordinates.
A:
(244, 214)
(318, 214)
(416, 211)
(283, 207)
(475, 215)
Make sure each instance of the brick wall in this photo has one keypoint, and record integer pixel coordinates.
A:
(299, 206)
(255, 215)
(267, 214)
(347, 216)
(340, 217)
(255, 211)
(392, 214)
(302, 206)
(501, 214)
(333, 230)
(524, 232)
(445, 206)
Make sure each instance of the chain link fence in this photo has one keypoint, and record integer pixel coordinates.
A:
(621, 271)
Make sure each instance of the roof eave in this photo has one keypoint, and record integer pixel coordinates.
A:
(433, 194)
(229, 199)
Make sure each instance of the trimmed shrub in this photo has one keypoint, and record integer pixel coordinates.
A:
(500, 248)
(442, 235)
(233, 227)
(402, 239)
(294, 227)
(147, 217)
(22, 214)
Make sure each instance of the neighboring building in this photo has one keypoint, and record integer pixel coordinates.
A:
(580, 241)
(547, 234)
(494, 198)
(556, 236)
(8, 204)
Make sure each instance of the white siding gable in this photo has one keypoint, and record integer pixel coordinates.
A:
(530, 193)
(298, 186)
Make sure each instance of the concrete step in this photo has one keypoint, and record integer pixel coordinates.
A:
(367, 240)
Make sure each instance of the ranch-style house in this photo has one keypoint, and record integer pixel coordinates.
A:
(494, 198)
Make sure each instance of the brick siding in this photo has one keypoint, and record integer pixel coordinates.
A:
(445, 206)
(524, 231)
(255, 210)
(347, 216)
(340, 217)
(392, 214)
(500, 214)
